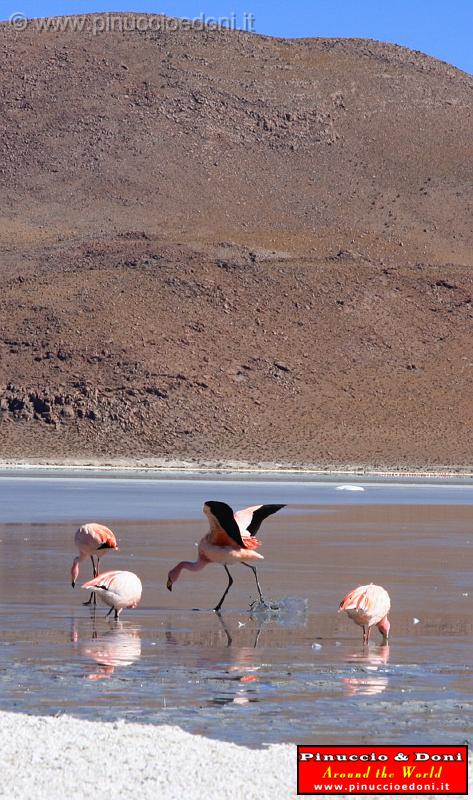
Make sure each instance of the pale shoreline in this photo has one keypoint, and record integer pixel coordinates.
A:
(175, 466)
(50, 758)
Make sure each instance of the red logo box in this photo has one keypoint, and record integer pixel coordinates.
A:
(383, 769)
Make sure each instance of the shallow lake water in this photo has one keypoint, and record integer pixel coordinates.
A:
(299, 674)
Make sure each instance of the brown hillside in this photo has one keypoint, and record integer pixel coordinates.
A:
(219, 245)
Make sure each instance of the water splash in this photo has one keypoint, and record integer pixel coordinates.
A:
(286, 611)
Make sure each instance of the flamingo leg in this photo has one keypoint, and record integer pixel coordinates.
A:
(258, 634)
(230, 581)
(227, 632)
(92, 598)
(112, 609)
(250, 566)
(365, 636)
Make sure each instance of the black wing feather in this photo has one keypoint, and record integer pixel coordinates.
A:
(260, 515)
(223, 513)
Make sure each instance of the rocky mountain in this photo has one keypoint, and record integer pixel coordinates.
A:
(217, 245)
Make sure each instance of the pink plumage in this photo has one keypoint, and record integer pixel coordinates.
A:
(231, 540)
(118, 589)
(91, 539)
(367, 606)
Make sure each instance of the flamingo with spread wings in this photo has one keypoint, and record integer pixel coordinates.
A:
(367, 606)
(231, 540)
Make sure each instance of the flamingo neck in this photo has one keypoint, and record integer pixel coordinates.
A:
(76, 565)
(192, 566)
(383, 627)
(75, 568)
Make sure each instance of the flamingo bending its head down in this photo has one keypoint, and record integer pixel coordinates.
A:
(368, 606)
(91, 539)
(118, 589)
(231, 540)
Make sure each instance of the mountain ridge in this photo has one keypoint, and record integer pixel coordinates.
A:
(285, 224)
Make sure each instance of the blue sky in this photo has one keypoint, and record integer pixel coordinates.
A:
(440, 28)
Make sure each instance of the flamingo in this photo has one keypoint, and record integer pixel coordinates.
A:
(368, 606)
(231, 540)
(118, 589)
(89, 539)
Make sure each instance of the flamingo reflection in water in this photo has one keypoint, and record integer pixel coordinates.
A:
(370, 683)
(244, 669)
(118, 647)
(241, 675)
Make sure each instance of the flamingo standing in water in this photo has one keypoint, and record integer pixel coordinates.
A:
(89, 539)
(118, 589)
(368, 606)
(231, 540)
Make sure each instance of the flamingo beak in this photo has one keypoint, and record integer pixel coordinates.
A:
(73, 584)
(169, 584)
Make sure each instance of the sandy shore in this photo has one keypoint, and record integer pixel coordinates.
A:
(57, 757)
(232, 467)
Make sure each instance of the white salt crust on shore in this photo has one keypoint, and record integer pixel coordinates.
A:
(58, 758)
(53, 758)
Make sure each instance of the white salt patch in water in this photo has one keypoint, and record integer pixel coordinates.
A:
(348, 487)
(316, 646)
(415, 621)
